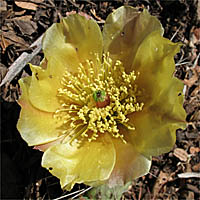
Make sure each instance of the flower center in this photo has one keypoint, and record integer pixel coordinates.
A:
(97, 100)
(101, 99)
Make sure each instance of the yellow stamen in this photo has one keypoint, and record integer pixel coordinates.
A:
(93, 84)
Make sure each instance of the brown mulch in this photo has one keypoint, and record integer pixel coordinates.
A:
(23, 22)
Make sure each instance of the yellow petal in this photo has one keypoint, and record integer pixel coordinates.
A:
(169, 103)
(155, 62)
(44, 85)
(91, 162)
(35, 126)
(129, 164)
(65, 45)
(124, 31)
(154, 134)
(72, 41)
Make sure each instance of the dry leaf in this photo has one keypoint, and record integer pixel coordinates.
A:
(181, 154)
(26, 5)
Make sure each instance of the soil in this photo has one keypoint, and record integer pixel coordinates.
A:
(174, 175)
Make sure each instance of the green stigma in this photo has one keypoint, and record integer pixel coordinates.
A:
(99, 96)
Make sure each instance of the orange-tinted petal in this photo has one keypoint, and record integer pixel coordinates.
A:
(124, 31)
(129, 164)
(91, 162)
(44, 147)
(35, 126)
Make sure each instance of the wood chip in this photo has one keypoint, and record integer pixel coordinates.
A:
(162, 179)
(194, 150)
(181, 154)
(20, 13)
(96, 17)
(14, 39)
(190, 195)
(24, 17)
(3, 71)
(25, 27)
(3, 6)
(4, 43)
(193, 188)
(198, 10)
(196, 167)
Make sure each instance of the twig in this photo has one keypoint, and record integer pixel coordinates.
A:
(196, 61)
(189, 175)
(52, 3)
(67, 195)
(153, 175)
(82, 192)
(175, 33)
(74, 4)
(184, 63)
(92, 3)
(21, 61)
(140, 193)
(134, 196)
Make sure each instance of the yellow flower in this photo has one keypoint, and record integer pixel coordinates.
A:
(100, 105)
